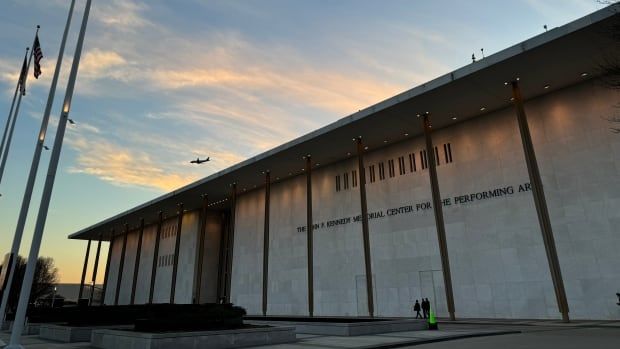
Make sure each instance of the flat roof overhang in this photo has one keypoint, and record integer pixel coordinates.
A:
(556, 58)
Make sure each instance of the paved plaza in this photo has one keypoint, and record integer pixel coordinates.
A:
(477, 334)
(537, 334)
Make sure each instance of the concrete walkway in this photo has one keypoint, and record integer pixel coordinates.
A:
(386, 340)
(538, 334)
(498, 333)
(545, 323)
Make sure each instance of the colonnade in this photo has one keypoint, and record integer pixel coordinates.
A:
(227, 240)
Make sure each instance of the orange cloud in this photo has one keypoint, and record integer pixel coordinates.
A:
(99, 63)
(121, 14)
(334, 91)
(124, 166)
(149, 161)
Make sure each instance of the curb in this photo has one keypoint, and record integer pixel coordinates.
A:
(436, 340)
(602, 324)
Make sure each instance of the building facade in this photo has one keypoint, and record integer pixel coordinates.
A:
(250, 242)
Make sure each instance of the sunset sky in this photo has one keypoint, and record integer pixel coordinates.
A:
(163, 82)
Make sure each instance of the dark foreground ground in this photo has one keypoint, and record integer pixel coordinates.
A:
(488, 334)
(577, 335)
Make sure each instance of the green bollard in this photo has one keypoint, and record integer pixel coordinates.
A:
(432, 322)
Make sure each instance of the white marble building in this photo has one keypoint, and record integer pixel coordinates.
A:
(499, 267)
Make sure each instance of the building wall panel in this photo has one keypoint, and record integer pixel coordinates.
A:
(187, 258)
(211, 257)
(246, 283)
(498, 261)
(163, 278)
(110, 290)
(143, 283)
(128, 267)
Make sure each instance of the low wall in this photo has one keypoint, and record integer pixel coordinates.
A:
(112, 339)
(65, 334)
(69, 334)
(29, 329)
(350, 328)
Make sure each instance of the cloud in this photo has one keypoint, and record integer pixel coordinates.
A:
(277, 75)
(231, 64)
(561, 8)
(153, 161)
(125, 166)
(250, 128)
(82, 126)
(330, 90)
(229, 99)
(98, 63)
(149, 161)
(123, 15)
(9, 73)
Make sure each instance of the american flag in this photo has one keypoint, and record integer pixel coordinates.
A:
(22, 77)
(38, 54)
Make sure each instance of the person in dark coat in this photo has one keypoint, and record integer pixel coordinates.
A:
(416, 308)
(426, 307)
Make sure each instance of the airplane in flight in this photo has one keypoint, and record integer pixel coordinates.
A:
(198, 161)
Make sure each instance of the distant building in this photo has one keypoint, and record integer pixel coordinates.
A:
(499, 264)
(70, 292)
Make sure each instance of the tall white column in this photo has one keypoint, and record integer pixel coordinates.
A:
(23, 213)
(20, 316)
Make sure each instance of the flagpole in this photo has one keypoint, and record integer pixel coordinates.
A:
(5, 155)
(8, 118)
(23, 213)
(20, 315)
(10, 121)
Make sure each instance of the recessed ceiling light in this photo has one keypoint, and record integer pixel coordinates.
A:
(303, 169)
(349, 154)
(505, 83)
(483, 108)
(366, 148)
(584, 74)
(418, 115)
(454, 118)
(547, 86)
(385, 141)
(406, 134)
(512, 99)
(318, 164)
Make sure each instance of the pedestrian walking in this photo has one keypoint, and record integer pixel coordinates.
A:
(426, 307)
(416, 308)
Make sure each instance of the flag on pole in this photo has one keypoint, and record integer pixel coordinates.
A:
(38, 54)
(22, 77)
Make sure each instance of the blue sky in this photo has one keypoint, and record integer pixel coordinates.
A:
(163, 82)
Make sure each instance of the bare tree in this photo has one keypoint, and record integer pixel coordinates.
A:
(45, 278)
